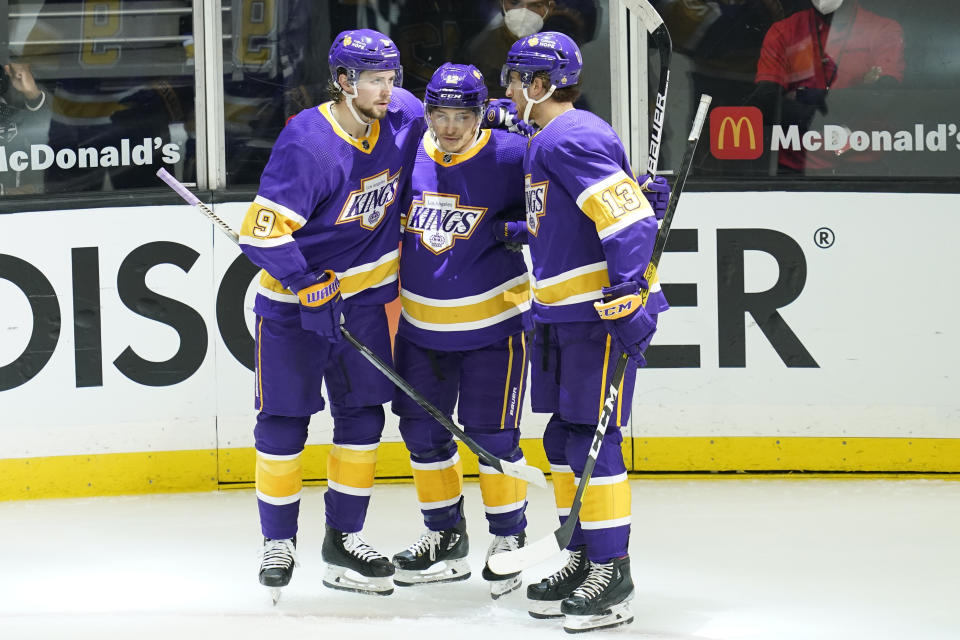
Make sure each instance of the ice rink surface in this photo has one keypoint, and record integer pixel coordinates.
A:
(726, 558)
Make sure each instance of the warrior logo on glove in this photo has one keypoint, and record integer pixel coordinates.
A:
(322, 292)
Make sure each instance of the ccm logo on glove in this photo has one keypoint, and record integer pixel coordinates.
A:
(621, 307)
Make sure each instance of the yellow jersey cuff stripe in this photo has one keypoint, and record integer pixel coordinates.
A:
(286, 212)
(604, 184)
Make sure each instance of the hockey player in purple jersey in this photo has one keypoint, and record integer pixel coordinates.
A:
(461, 339)
(591, 233)
(325, 228)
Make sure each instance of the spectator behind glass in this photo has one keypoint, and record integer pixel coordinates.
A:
(836, 46)
(23, 108)
(488, 49)
(514, 19)
(117, 113)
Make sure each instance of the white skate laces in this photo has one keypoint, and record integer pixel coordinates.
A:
(597, 580)
(278, 554)
(573, 563)
(429, 540)
(358, 548)
(502, 544)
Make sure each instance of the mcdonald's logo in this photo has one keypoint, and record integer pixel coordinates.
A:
(736, 133)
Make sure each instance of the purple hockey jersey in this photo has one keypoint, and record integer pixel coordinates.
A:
(461, 288)
(329, 201)
(589, 224)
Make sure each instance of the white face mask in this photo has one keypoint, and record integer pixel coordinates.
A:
(826, 6)
(523, 22)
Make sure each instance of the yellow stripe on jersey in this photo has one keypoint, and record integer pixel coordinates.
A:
(605, 502)
(431, 311)
(571, 286)
(499, 490)
(352, 281)
(278, 479)
(268, 224)
(564, 488)
(523, 371)
(366, 276)
(614, 203)
(351, 467)
(438, 482)
(506, 386)
(365, 144)
(603, 375)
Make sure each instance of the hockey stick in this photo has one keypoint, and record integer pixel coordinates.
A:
(661, 39)
(514, 469)
(524, 557)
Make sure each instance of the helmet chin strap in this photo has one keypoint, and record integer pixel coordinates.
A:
(531, 101)
(356, 116)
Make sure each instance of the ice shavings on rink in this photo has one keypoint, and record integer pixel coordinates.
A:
(724, 559)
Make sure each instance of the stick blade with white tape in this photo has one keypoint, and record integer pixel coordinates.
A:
(524, 557)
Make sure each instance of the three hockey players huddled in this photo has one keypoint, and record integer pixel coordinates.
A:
(343, 178)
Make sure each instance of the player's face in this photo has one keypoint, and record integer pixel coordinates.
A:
(455, 128)
(374, 89)
(514, 91)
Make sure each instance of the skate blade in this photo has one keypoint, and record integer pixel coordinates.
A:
(349, 580)
(447, 571)
(500, 588)
(274, 594)
(614, 617)
(544, 609)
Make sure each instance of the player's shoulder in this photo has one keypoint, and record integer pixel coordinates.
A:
(405, 105)
(304, 121)
(574, 130)
(509, 147)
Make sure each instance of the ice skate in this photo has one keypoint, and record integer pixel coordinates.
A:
(545, 597)
(353, 565)
(438, 556)
(278, 558)
(502, 585)
(602, 600)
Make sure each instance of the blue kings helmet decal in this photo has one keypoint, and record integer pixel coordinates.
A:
(440, 219)
(536, 201)
(369, 203)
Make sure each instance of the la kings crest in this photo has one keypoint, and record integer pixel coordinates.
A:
(536, 202)
(369, 203)
(440, 220)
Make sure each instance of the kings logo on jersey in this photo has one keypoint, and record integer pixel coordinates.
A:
(536, 194)
(440, 220)
(369, 203)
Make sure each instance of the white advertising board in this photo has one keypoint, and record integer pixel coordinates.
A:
(796, 314)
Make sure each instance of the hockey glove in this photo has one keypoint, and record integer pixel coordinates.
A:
(502, 114)
(657, 191)
(321, 306)
(513, 234)
(627, 321)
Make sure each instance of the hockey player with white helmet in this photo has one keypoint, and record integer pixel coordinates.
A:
(325, 229)
(591, 234)
(461, 339)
